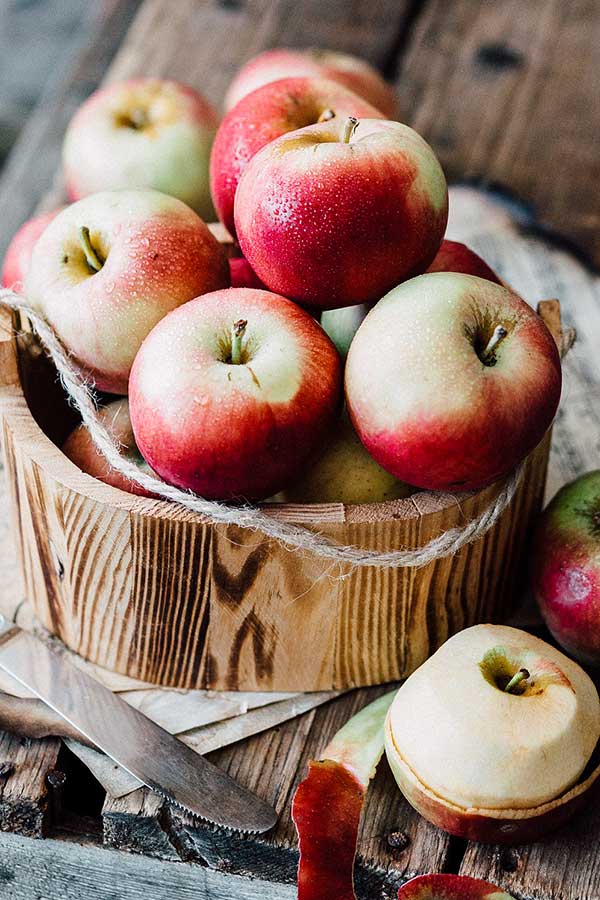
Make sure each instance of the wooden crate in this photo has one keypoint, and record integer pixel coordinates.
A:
(151, 590)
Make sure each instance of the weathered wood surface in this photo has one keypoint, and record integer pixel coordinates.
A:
(423, 43)
(507, 93)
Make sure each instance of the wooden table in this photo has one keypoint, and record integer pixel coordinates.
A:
(507, 93)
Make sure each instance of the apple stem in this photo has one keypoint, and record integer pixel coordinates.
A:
(326, 115)
(515, 681)
(238, 330)
(91, 256)
(349, 129)
(497, 337)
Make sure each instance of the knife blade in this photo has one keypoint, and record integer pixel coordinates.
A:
(143, 748)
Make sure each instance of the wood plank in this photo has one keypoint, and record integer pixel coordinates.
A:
(565, 866)
(272, 764)
(507, 93)
(70, 871)
(136, 823)
(204, 43)
(25, 794)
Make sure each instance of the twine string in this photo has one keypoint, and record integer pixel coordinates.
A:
(294, 537)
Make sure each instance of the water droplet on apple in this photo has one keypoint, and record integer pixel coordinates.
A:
(110, 287)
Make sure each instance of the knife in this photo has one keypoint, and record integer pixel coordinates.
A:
(144, 749)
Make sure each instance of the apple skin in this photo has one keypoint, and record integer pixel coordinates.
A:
(242, 274)
(275, 109)
(350, 71)
(566, 567)
(18, 254)
(81, 450)
(498, 826)
(456, 257)
(342, 324)
(450, 422)
(159, 254)
(330, 223)
(345, 473)
(450, 887)
(104, 150)
(230, 431)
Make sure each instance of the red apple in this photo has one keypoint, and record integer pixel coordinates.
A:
(566, 567)
(81, 450)
(233, 393)
(455, 257)
(350, 71)
(275, 109)
(107, 268)
(451, 381)
(18, 254)
(243, 275)
(450, 887)
(144, 133)
(336, 214)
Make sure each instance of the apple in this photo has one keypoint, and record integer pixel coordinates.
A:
(450, 887)
(338, 213)
(566, 567)
(81, 450)
(456, 257)
(345, 473)
(451, 381)
(144, 133)
(275, 109)
(108, 267)
(242, 275)
(342, 324)
(18, 254)
(492, 738)
(350, 71)
(233, 393)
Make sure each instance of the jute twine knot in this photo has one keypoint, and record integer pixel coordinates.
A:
(294, 537)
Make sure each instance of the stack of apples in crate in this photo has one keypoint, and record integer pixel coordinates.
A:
(335, 347)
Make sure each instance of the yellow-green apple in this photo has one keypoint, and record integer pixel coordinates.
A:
(345, 473)
(81, 450)
(233, 393)
(338, 213)
(566, 567)
(492, 737)
(350, 71)
(265, 114)
(342, 324)
(456, 257)
(18, 254)
(144, 133)
(450, 887)
(108, 267)
(451, 381)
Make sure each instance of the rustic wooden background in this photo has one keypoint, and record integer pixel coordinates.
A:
(508, 95)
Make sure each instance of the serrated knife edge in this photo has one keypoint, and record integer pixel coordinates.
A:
(127, 736)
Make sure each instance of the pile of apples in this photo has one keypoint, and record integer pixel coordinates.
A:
(341, 294)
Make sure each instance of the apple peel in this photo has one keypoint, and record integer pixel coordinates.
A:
(327, 805)
(450, 887)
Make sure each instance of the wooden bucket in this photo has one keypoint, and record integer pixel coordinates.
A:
(155, 592)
